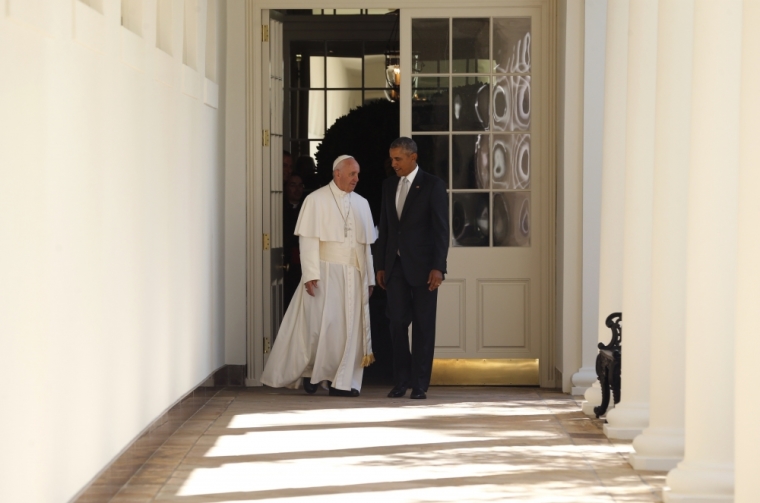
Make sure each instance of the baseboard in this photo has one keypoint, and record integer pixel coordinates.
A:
(118, 472)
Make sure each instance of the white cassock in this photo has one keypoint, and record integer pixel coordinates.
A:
(327, 337)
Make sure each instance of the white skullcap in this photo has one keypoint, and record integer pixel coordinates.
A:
(340, 159)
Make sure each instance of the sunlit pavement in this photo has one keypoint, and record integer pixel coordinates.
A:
(461, 444)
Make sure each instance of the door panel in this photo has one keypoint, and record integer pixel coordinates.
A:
(477, 103)
(272, 122)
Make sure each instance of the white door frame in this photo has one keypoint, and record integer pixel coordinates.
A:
(255, 327)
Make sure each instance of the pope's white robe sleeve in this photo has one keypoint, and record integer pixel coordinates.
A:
(309, 258)
(369, 265)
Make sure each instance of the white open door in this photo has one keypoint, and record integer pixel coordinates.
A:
(272, 76)
(479, 108)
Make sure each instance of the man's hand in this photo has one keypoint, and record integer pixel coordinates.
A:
(434, 279)
(381, 279)
(371, 290)
(311, 286)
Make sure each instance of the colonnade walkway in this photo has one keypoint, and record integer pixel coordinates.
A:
(461, 444)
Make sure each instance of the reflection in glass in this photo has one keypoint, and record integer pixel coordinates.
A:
(469, 223)
(430, 40)
(430, 108)
(511, 45)
(339, 103)
(482, 164)
(463, 161)
(316, 71)
(374, 95)
(433, 155)
(344, 64)
(470, 45)
(511, 161)
(471, 103)
(374, 70)
(511, 219)
(511, 103)
(316, 114)
(469, 161)
(344, 72)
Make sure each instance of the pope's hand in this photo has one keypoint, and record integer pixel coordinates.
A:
(311, 286)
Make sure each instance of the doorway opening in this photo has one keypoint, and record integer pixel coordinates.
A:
(340, 89)
(475, 93)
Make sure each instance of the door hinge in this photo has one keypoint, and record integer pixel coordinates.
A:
(265, 33)
(266, 241)
(267, 345)
(265, 137)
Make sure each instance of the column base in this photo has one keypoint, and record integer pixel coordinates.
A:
(593, 396)
(669, 497)
(627, 421)
(583, 380)
(657, 449)
(692, 482)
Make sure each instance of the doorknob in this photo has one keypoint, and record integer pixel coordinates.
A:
(285, 267)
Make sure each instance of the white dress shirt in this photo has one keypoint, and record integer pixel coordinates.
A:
(409, 177)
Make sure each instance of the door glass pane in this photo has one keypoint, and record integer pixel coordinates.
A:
(511, 161)
(470, 103)
(374, 95)
(316, 71)
(430, 108)
(316, 114)
(511, 219)
(299, 114)
(430, 42)
(470, 46)
(374, 70)
(433, 155)
(511, 45)
(469, 161)
(339, 103)
(511, 103)
(344, 72)
(469, 222)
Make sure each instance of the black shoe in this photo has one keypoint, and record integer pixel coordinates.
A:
(417, 394)
(398, 391)
(342, 392)
(308, 386)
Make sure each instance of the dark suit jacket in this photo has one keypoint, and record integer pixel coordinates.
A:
(422, 235)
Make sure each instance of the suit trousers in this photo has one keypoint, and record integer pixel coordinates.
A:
(415, 305)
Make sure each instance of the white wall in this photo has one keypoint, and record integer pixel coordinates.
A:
(235, 188)
(111, 255)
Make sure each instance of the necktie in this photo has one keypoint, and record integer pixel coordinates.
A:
(402, 196)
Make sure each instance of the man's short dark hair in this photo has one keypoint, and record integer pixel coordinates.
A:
(406, 144)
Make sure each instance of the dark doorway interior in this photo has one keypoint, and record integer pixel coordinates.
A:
(335, 62)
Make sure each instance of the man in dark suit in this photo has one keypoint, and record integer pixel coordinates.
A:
(411, 261)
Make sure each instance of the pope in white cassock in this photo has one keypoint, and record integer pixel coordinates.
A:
(325, 333)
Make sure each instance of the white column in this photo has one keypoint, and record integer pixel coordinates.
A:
(613, 178)
(707, 471)
(571, 198)
(595, 30)
(631, 415)
(660, 447)
(747, 373)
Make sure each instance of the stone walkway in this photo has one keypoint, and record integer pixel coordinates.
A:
(459, 445)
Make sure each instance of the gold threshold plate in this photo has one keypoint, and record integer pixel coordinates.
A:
(485, 372)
